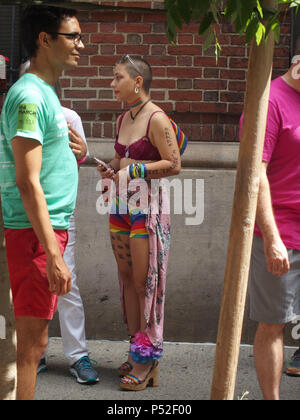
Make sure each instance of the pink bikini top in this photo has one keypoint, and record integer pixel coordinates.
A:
(141, 149)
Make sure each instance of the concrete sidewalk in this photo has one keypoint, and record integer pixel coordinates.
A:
(185, 374)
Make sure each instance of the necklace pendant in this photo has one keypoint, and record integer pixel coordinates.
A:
(127, 154)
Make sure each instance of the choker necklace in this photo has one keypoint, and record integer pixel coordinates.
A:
(137, 103)
(142, 107)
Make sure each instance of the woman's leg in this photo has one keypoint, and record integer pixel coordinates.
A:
(139, 248)
(131, 251)
(121, 248)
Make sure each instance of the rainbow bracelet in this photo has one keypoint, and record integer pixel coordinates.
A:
(137, 170)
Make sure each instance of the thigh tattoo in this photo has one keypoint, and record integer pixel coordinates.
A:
(121, 249)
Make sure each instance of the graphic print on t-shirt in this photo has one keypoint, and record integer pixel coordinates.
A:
(27, 115)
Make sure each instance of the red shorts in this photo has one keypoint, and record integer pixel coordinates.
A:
(27, 272)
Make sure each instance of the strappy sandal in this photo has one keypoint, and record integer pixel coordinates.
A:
(132, 383)
(125, 369)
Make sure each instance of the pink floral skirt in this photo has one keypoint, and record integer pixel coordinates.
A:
(148, 345)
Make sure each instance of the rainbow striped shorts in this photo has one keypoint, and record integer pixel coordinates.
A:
(133, 223)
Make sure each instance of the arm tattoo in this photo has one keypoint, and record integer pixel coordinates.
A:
(168, 137)
(174, 157)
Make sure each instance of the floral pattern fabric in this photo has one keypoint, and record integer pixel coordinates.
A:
(158, 225)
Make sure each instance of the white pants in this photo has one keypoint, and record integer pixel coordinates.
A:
(70, 308)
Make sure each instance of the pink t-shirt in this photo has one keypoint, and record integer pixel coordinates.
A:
(282, 151)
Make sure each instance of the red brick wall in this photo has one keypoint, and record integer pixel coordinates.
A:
(205, 97)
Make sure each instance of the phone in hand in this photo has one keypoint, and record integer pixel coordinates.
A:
(101, 163)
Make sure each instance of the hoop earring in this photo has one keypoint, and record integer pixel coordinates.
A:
(136, 90)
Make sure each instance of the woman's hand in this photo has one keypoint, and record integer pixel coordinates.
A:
(105, 173)
(122, 174)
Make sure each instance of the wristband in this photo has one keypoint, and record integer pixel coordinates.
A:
(134, 171)
(131, 171)
(80, 162)
(144, 171)
(137, 170)
(128, 172)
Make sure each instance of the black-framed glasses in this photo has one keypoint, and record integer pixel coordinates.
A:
(75, 36)
(128, 58)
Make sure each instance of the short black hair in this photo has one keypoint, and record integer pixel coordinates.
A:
(37, 19)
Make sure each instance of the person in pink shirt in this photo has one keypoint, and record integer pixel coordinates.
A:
(274, 285)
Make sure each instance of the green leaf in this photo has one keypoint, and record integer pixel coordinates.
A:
(171, 36)
(234, 17)
(193, 3)
(217, 50)
(269, 13)
(276, 30)
(271, 22)
(231, 8)
(208, 40)
(295, 3)
(171, 27)
(245, 11)
(169, 4)
(260, 33)
(184, 11)
(206, 23)
(200, 9)
(175, 16)
(214, 12)
(259, 9)
(248, 16)
(252, 28)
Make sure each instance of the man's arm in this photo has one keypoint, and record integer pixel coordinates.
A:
(275, 250)
(28, 161)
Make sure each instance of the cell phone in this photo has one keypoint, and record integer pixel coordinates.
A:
(101, 162)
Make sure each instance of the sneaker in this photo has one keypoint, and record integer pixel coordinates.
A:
(293, 367)
(42, 367)
(84, 372)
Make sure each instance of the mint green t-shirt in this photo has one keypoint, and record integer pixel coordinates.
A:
(32, 110)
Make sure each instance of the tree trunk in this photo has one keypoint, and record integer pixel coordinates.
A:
(243, 219)
(8, 371)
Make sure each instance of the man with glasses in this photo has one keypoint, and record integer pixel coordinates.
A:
(38, 179)
(75, 36)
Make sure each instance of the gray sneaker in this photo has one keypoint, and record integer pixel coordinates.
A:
(84, 372)
(293, 366)
(42, 367)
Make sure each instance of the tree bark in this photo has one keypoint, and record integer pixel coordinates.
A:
(8, 370)
(243, 219)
